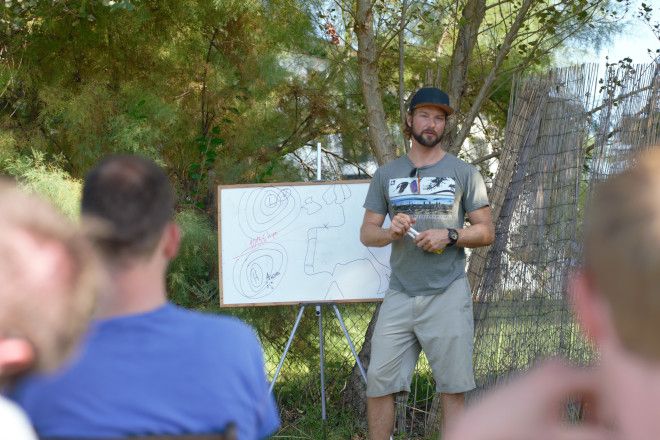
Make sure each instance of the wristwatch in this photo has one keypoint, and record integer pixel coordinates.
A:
(452, 234)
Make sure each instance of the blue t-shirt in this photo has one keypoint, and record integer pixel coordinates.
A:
(169, 371)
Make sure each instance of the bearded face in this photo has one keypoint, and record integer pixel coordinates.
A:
(427, 125)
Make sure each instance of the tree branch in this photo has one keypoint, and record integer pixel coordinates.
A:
(617, 99)
(486, 157)
(483, 92)
(389, 38)
(310, 171)
(495, 5)
(205, 113)
(343, 159)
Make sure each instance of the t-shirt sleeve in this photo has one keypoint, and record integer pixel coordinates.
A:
(13, 422)
(475, 195)
(375, 200)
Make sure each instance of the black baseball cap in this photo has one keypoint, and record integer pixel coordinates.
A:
(430, 96)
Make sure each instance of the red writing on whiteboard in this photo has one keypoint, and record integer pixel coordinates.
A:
(265, 238)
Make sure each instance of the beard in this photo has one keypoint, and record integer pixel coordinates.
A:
(426, 139)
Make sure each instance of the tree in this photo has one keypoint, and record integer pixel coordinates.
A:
(492, 41)
(199, 86)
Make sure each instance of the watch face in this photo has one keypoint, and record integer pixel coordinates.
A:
(453, 235)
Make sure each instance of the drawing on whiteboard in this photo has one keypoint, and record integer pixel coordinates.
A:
(320, 257)
(311, 207)
(337, 194)
(348, 277)
(267, 208)
(258, 272)
(282, 244)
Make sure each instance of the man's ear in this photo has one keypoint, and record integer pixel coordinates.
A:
(172, 240)
(409, 119)
(16, 355)
(591, 309)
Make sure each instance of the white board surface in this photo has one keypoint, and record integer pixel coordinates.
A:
(297, 243)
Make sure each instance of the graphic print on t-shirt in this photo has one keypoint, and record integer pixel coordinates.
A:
(422, 194)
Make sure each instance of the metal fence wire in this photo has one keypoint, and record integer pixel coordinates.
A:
(566, 130)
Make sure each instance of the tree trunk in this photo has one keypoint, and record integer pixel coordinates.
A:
(505, 47)
(402, 28)
(354, 396)
(471, 17)
(383, 147)
(379, 134)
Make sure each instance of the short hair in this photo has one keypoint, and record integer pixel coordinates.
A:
(622, 251)
(49, 277)
(133, 197)
(407, 129)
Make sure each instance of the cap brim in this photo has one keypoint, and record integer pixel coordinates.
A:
(448, 110)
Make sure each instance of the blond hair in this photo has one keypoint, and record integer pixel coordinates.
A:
(622, 251)
(46, 297)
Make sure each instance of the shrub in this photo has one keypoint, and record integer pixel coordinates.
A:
(47, 178)
(192, 278)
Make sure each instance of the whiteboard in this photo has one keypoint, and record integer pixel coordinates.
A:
(293, 243)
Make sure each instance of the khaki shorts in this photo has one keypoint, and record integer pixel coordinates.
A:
(442, 325)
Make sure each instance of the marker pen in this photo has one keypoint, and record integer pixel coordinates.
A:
(412, 233)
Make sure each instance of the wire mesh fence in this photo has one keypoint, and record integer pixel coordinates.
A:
(566, 130)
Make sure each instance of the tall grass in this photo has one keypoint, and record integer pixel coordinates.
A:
(192, 278)
(37, 174)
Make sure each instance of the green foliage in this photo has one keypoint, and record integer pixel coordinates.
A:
(222, 91)
(196, 85)
(35, 173)
(192, 276)
(7, 146)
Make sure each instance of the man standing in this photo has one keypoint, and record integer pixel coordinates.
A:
(429, 304)
(148, 366)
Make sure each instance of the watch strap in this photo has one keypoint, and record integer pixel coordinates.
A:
(452, 234)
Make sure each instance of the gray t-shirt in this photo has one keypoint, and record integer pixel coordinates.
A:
(437, 196)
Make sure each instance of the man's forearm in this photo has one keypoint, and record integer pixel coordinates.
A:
(375, 236)
(475, 236)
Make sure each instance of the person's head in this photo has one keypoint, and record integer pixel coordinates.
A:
(617, 293)
(133, 198)
(49, 278)
(427, 115)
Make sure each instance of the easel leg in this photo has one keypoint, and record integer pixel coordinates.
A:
(319, 313)
(286, 348)
(350, 343)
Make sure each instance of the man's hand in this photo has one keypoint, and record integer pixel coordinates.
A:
(400, 225)
(432, 240)
(533, 407)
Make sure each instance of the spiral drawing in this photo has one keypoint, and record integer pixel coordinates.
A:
(258, 273)
(267, 209)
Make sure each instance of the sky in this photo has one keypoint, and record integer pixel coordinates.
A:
(632, 42)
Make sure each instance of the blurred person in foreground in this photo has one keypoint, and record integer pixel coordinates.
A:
(148, 366)
(48, 281)
(616, 297)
